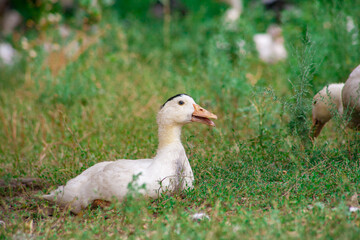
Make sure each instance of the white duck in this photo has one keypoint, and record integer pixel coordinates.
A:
(344, 98)
(270, 45)
(235, 11)
(169, 170)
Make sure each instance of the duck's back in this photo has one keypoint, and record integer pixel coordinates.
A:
(351, 98)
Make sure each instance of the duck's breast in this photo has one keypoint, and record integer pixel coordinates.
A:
(170, 171)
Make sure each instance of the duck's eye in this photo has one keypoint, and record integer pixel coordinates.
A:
(181, 102)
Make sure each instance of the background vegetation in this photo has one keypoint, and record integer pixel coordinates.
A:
(95, 94)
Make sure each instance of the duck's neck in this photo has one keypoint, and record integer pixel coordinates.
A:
(169, 135)
(336, 96)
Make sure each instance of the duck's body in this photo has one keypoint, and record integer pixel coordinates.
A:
(340, 97)
(169, 170)
(351, 98)
(107, 180)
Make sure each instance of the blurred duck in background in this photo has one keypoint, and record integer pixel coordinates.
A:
(270, 45)
(235, 10)
(8, 54)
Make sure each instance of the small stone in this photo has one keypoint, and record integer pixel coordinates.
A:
(354, 209)
(200, 216)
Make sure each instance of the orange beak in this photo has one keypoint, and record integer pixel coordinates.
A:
(202, 115)
(316, 128)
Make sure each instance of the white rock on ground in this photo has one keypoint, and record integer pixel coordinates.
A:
(199, 216)
(354, 209)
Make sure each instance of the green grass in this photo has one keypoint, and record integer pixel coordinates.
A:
(257, 174)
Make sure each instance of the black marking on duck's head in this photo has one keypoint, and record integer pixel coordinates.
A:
(177, 95)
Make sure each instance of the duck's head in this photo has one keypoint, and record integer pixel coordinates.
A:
(325, 103)
(182, 109)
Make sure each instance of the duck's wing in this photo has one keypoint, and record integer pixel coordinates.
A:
(101, 181)
(114, 179)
